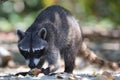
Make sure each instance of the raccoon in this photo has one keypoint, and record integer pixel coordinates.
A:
(54, 33)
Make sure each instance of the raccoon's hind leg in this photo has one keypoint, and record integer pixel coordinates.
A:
(69, 58)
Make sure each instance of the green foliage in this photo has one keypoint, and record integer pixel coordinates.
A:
(5, 23)
(104, 9)
(19, 14)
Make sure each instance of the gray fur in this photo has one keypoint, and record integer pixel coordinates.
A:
(55, 32)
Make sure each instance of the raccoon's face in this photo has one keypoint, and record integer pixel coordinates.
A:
(32, 46)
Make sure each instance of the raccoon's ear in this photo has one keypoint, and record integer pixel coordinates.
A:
(20, 34)
(42, 33)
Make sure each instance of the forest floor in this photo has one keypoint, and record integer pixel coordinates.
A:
(89, 73)
(85, 73)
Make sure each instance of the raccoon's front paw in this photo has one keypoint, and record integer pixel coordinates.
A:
(46, 71)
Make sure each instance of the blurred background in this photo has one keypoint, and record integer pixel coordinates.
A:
(99, 19)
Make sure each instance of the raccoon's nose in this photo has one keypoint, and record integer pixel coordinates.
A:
(31, 65)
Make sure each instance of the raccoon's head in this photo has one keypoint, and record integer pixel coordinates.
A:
(32, 46)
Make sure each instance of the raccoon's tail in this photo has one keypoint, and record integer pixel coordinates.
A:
(90, 56)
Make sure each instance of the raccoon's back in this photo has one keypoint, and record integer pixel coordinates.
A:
(68, 29)
(53, 14)
(50, 12)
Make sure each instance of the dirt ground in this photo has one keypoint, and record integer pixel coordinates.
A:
(89, 73)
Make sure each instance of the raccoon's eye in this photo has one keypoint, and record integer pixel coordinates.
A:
(37, 54)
